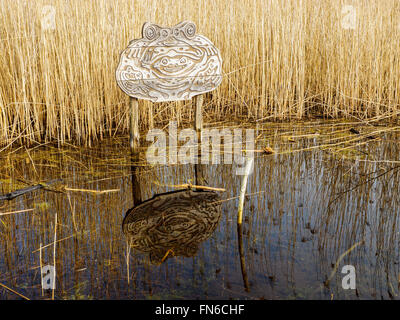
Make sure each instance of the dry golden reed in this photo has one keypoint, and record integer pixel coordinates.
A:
(282, 59)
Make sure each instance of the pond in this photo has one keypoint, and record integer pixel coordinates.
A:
(322, 196)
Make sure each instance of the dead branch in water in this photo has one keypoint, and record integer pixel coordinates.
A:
(14, 194)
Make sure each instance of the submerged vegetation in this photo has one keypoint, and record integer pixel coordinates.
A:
(282, 59)
(323, 199)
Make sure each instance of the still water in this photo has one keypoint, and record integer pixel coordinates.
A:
(325, 189)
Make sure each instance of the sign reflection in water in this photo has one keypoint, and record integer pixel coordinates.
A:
(173, 223)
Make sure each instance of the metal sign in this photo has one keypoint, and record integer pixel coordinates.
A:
(169, 64)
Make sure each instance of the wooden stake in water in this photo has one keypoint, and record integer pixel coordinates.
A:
(41, 266)
(242, 260)
(249, 165)
(247, 170)
(54, 257)
(134, 124)
(128, 255)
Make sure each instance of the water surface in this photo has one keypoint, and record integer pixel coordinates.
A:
(323, 190)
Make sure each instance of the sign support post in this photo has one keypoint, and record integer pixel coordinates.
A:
(134, 124)
(198, 100)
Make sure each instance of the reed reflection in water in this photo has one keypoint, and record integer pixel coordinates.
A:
(305, 206)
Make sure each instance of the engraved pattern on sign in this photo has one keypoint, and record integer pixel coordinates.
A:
(169, 64)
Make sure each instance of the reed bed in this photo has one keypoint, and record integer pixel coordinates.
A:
(282, 59)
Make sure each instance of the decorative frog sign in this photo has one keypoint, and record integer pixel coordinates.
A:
(169, 64)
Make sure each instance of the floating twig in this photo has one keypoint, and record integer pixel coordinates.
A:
(13, 291)
(326, 283)
(166, 255)
(12, 212)
(191, 186)
(50, 244)
(92, 191)
(268, 150)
